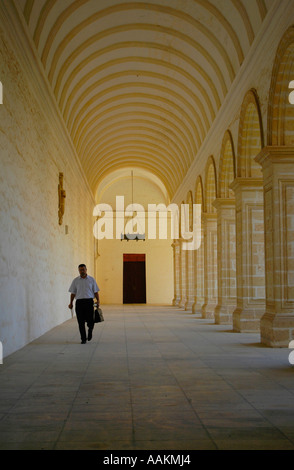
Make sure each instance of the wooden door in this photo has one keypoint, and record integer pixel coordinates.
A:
(134, 279)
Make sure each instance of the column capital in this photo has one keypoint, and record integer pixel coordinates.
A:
(275, 154)
(222, 202)
(209, 216)
(246, 183)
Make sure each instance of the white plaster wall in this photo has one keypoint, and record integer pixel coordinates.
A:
(159, 253)
(37, 259)
(159, 270)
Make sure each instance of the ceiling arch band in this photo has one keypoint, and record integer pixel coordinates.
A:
(156, 136)
(142, 98)
(125, 143)
(156, 7)
(179, 102)
(122, 120)
(133, 162)
(167, 115)
(81, 52)
(68, 91)
(126, 73)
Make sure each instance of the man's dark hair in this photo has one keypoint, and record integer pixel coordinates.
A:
(82, 266)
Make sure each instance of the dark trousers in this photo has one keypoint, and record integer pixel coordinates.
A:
(85, 314)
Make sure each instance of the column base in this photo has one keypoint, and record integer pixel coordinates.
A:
(207, 310)
(197, 309)
(277, 330)
(247, 321)
(189, 305)
(176, 302)
(182, 303)
(224, 314)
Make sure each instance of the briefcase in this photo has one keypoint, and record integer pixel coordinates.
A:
(98, 315)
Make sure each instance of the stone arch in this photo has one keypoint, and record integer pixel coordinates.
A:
(227, 167)
(280, 111)
(199, 254)
(210, 241)
(183, 264)
(226, 233)
(190, 286)
(190, 202)
(248, 188)
(251, 139)
(199, 199)
(181, 216)
(210, 185)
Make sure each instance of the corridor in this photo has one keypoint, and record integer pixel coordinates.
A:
(152, 378)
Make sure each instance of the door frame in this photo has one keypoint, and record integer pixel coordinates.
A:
(135, 258)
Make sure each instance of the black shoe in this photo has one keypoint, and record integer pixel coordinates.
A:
(83, 342)
(90, 335)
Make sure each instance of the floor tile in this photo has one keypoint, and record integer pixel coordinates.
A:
(152, 378)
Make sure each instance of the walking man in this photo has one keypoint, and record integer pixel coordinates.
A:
(84, 288)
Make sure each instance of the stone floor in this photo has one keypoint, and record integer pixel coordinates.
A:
(151, 378)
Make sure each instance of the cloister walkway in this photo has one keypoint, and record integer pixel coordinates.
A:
(154, 378)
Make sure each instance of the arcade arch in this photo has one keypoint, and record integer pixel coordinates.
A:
(277, 162)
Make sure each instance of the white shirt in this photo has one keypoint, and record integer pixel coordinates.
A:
(83, 288)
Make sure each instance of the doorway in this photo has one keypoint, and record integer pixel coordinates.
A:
(134, 279)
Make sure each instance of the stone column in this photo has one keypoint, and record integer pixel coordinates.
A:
(250, 254)
(183, 287)
(210, 265)
(226, 260)
(277, 323)
(199, 276)
(177, 266)
(190, 280)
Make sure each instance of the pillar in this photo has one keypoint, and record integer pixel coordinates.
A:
(177, 266)
(199, 276)
(190, 280)
(210, 265)
(226, 260)
(277, 323)
(250, 268)
(183, 287)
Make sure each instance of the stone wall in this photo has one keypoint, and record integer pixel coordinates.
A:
(38, 257)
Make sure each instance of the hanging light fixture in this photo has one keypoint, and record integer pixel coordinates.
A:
(132, 236)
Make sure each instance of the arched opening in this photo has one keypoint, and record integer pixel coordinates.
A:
(210, 241)
(281, 111)
(199, 254)
(190, 259)
(227, 167)
(226, 233)
(210, 186)
(128, 193)
(277, 161)
(248, 188)
(250, 137)
(183, 263)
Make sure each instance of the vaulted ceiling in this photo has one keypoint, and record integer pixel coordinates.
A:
(139, 83)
